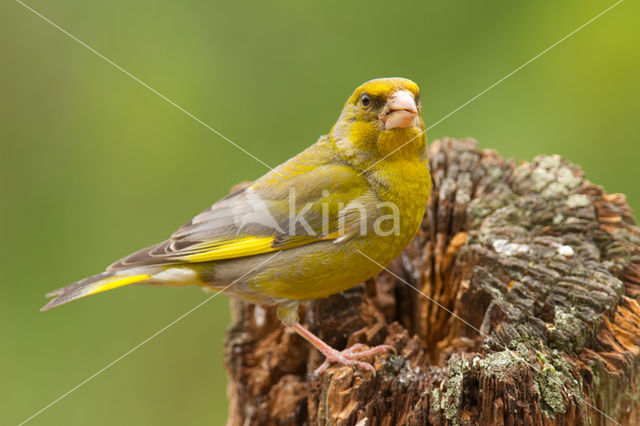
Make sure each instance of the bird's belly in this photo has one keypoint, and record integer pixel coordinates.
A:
(309, 272)
(324, 268)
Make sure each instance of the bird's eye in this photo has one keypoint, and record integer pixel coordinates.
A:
(365, 100)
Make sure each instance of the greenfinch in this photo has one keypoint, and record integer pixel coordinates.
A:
(318, 224)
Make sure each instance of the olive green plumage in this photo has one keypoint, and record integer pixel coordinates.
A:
(306, 229)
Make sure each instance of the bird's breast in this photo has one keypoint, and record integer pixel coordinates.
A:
(403, 188)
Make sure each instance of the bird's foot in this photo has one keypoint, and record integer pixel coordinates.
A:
(350, 356)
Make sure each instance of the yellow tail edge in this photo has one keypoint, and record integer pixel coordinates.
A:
(90, 286)
(110, 285)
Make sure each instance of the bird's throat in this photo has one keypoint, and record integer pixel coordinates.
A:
(407, 142)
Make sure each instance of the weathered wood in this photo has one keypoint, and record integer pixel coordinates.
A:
(530, 277)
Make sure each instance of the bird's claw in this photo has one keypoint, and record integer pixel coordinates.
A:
(351, 355)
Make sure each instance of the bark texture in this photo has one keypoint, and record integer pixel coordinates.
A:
(516, 303)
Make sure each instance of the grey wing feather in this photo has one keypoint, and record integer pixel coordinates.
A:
(238, 214)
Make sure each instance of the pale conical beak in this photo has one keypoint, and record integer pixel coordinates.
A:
(400, 111)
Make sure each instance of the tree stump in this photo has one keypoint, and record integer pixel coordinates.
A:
(516, 303)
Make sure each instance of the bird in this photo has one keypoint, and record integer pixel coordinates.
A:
(324, 221)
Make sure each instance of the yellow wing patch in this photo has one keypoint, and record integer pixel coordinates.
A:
(240, 247)
(247, 246)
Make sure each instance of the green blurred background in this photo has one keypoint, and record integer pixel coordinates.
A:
(94, 166)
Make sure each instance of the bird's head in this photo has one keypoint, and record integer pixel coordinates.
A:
(379, 117)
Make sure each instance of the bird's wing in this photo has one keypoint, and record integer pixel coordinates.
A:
(321, 202)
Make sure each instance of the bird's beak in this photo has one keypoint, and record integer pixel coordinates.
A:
(400, 111)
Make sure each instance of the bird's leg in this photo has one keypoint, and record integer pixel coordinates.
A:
(288, 315)
(348, 356)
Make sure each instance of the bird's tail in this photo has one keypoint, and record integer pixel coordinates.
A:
(92, 285)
